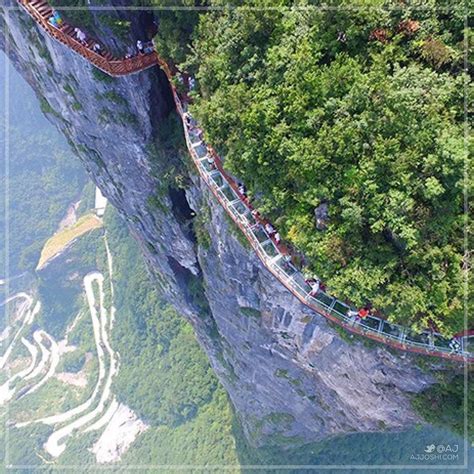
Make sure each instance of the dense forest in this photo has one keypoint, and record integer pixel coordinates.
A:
(164, 375)
(356, 110)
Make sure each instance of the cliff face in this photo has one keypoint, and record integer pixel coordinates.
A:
(291, 377)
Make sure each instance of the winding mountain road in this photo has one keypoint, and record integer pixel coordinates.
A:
(6, 392)
(26, 314)
(54, 445)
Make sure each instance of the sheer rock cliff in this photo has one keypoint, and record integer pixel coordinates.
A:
(290, 375)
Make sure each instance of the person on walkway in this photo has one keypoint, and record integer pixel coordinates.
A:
(140, 47)
(270, 230)
(315, 287)
(256, 216)
(52, 21)
(353, 314)
(363, 312)
(190, 122)
(130, 52)
(210, 161)
(242, 190)
(148, 47)
(187, 119)
(455, 345)
(81, 36)
(277, 238)
(56, 19)
(97, 48)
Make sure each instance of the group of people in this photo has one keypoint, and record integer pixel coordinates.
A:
(142, 47)
(272, 232)
(58, 22)
(82, 38)
(145, 47)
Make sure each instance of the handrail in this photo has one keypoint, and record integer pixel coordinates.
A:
(328, 311)
(437, 345)
(115, 67)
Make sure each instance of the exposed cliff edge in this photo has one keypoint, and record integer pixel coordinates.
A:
(291, 377)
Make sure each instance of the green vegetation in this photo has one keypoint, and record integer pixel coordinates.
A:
(444, 404)
(359, 109)
(175, 27)
(114, 97)
(199, 225)
(100, 76)
(60, 283)
(127, 118)
(250, 312)
(44, 177)
(82, 17)
(73, 361)
(120, 28)
(164, 376)
(59, 241)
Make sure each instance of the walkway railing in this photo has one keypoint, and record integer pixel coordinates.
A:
(240, 210)
(41, 12)
(277, 262)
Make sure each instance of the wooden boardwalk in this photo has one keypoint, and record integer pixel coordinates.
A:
(41, 12)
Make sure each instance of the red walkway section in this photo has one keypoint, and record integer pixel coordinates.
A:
(41, 12)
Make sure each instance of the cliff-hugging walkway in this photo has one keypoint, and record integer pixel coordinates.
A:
(261, 235)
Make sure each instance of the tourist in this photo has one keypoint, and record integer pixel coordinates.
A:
(192, 124)
(363, 312)
(270, 230)
(210, 161)
(130, 52)
(56, 19)
(97, 48)
(353, 314)
(277, 238)
(52, 21)
(148, 47)
(140, 47)
(455, 345)
(81, 36)
(315, 286)
(242, 190)
(187, 119)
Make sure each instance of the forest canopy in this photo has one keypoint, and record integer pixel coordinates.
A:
(359, 109)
